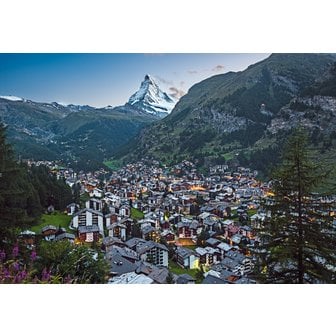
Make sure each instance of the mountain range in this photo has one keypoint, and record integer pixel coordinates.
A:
(81, 136)
(244, 117)
(241, 118)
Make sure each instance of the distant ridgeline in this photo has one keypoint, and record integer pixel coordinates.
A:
(81, 136)
(239, 118)
(243, 118)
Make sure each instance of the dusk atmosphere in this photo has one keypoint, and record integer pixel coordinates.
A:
(109, 79)
(163, 163)
(168, 168)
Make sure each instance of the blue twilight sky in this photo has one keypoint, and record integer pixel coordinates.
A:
(108, 79)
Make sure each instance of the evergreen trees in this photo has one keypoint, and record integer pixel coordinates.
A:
(325, 88)
(202, 237)
(17, 199)
(298, 238)
(199, 276)
(25, 192)
(52, 191)
(76, 193)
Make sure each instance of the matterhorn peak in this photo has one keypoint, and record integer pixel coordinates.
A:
(149, 80)
(151, 99)
(148, 77)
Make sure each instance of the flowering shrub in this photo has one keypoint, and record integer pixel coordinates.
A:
(13, 270)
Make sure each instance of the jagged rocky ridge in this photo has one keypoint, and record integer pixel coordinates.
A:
(151, 99)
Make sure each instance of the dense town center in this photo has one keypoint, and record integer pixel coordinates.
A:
(156, 224)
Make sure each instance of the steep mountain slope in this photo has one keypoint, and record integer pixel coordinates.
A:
(81, 136)
(151, 99)
(222, 115)
(315, 110)
(30, 125)
(270, 81)
(87, 138)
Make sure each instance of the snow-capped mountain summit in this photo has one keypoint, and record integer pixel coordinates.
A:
(12, 98)
(151, 99)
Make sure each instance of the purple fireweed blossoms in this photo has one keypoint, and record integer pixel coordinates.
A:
(45, 275)
(14, 270)
(17, 278)
(20, 276)
(33, 255)
(15, 251)
(16, 266)
(23, 274)
(6, 273)
(67, 279)
(2, 255)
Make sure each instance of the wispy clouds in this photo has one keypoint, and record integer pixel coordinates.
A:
(176, 93)
(218, 68)
(175, 90)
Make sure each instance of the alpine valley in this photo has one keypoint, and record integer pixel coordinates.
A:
(240, 118)
(80, 136)
(244, 117)
(191, 195)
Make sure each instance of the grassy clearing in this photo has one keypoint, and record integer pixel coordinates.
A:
(251, 212)
(176, 269)
(229, 156)
(137, 214)
(113, 164)
(57, 219)
(234, 214)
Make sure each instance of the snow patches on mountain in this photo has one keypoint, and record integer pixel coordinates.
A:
(12, 98)
(151, 99)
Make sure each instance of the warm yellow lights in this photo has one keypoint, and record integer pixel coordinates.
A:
(197, 188)
(195, 264)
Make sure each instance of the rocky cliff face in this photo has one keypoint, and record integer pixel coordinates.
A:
(313, 113)
(151, 99)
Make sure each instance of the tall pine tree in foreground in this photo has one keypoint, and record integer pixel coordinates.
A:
(298, 236)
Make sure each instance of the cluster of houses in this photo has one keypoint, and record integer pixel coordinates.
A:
(151, 220)
(147, 218)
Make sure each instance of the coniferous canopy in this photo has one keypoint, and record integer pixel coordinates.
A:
(25, 192)
(15, 194)
(298, 236)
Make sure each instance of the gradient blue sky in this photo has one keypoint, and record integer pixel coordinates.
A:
(108, 79)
